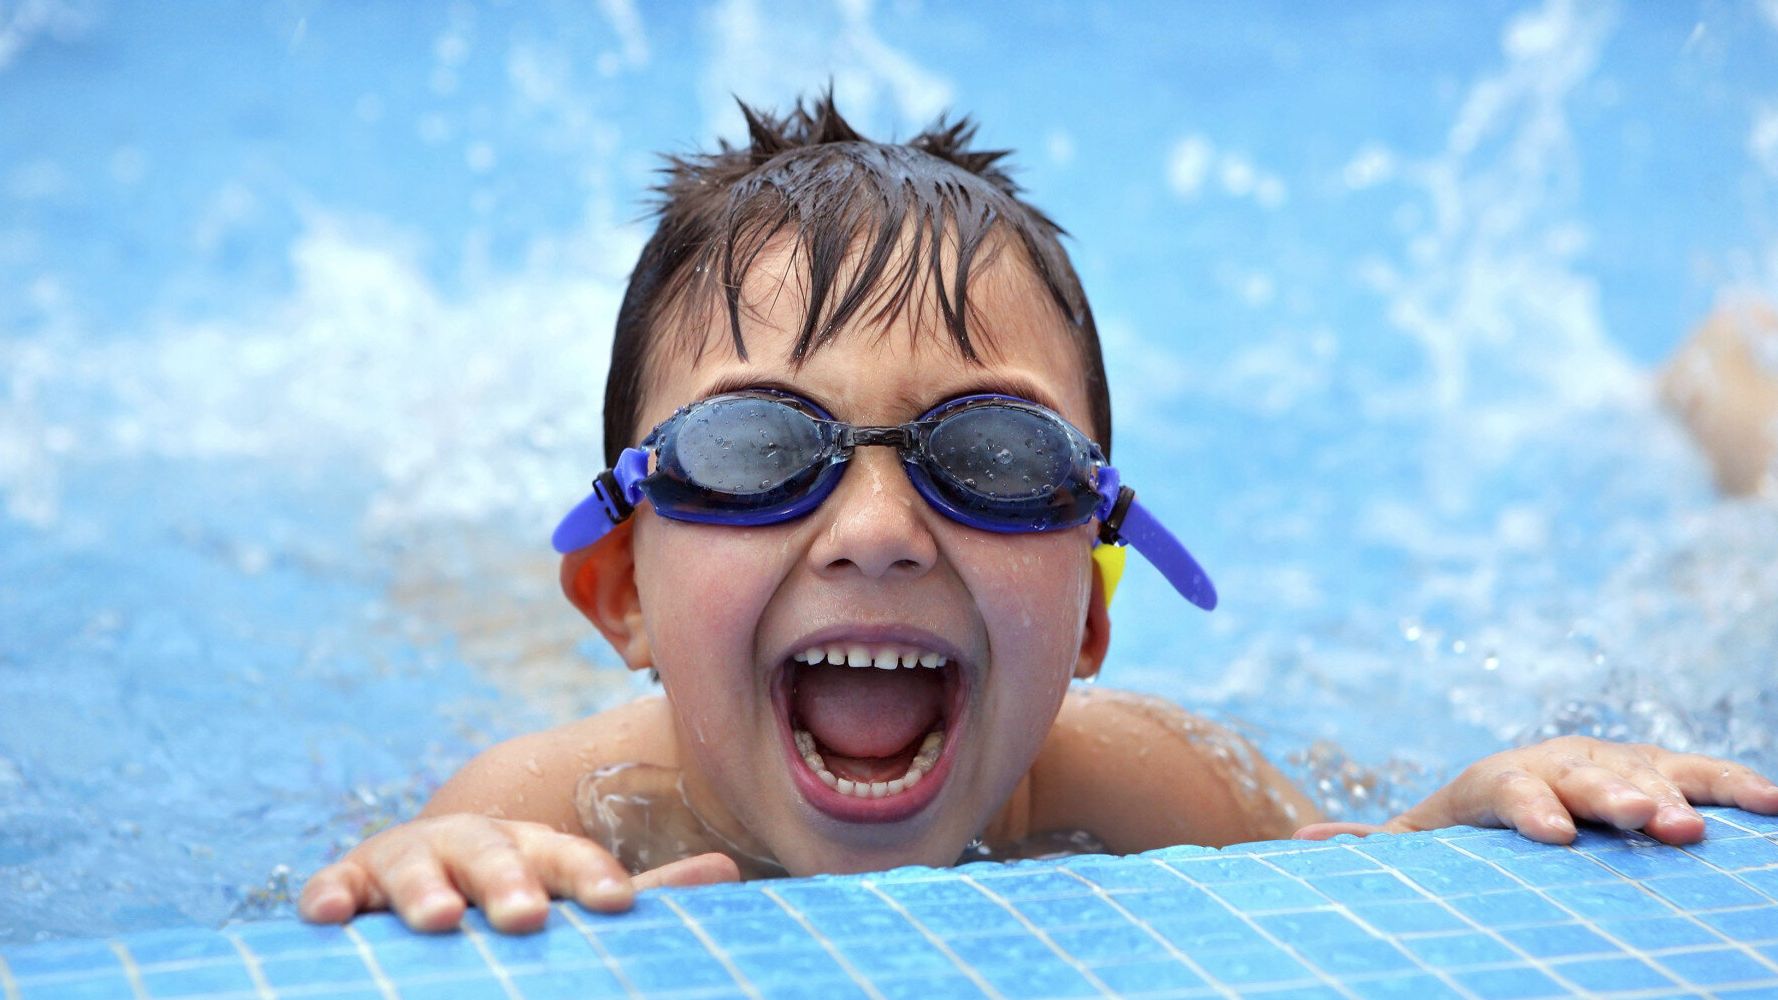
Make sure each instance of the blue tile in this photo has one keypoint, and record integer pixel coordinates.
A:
(1313, 925)
(1219, 869)
(288, 937)
(182, 945)
(752, 933)
(1749, 993)
(1298, 993)
(904, 958)
(1708, 891)
(1252, 968)
(1592, 838)
(925, 987)
(1747, 852)
(1509, 984)
(1155, 976)
(990, 949)
(643, 942)
(813, 896)
(583, 983)
(196, 980)
(706, 904)
(1611, 974)
(1266, 896)
(1199, 935)
(1752, 821)
(1102, 945)
(1559, 941)
(1659, 932)
(1721, 827)
(1755, 925)
(1607, 901)
(874, 923)
(1323, 862)
(1651, 862)
(1505, 909)
(425, 954)
(1499, 845)
(982, 916)
(1122, 874)
(815, 989)
(107, 985)
(1420, 987)
(559, 946)
(464, 987)
(1372, 887)
(1557, 868)
(783, 966)
(78, 955)
(1763, 879)
(1029, 884)
(1459, 876)
(681, 972)
(925, 893)
(1355, 958)
(1185, 901)
(1038, 979)
(289, 971)
(1079, 911)
(1408, 918)
(1713, 966)
(1453, 951)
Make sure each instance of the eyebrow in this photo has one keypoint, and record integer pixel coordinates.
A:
(998, 384)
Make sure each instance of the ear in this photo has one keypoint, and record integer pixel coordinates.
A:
(600, 580)
(1095, 636)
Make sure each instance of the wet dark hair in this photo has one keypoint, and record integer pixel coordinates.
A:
(810, 176)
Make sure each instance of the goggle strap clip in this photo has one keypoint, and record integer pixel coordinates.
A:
(611, 495)
(1111, 526)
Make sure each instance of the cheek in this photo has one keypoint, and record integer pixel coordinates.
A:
(1032, 591)
(703, 588)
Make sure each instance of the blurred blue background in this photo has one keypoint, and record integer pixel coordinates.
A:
(304, 309)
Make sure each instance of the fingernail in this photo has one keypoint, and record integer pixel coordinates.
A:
(505, 905)
(1558, 821)
(607, 889)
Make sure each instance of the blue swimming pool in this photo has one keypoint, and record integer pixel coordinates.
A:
(304, 311)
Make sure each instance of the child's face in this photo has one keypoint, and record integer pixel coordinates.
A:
(723, 610)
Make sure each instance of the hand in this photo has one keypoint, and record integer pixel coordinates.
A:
(428, 871)
(1541, 790)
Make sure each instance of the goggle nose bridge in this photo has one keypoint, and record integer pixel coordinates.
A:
(899, 438)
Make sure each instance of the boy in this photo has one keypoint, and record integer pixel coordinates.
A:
(859, 547)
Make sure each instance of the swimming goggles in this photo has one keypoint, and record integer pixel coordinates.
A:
(994, 462)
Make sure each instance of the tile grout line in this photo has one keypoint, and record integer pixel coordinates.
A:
(254, 972)
(481, 945)
(1320, 974)
(1041, 935)
(1442, 975)
(870, 988)
(131, 971)
(369, 958)
(1543, 965)
(967, 969)
(1143, 925)
(1757, 957)
(715, 950)
(611, 963)
(9, 987)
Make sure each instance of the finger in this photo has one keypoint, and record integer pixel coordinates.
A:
(418, 887)
(1710, 781)
(1326, 831)
(335, 893)
(1516, 798)
(489, 868)
(575, 868)
(703, 869)
(1674, 821)
(1590, 790)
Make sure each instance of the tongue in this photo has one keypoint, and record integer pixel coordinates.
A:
(866, 712)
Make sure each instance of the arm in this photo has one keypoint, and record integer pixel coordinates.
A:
(504, 834)
(1139, 773)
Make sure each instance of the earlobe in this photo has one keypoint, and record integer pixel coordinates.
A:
(600, 580)
(1095, 635)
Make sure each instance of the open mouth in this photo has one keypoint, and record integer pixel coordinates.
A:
(869, 726)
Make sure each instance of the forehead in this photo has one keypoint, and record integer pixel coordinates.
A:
(886, 365)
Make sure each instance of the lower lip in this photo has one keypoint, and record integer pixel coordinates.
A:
(851, 808)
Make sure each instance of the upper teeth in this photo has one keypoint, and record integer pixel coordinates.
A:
(860, 655)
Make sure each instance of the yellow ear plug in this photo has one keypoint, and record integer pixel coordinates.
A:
(1111, 567)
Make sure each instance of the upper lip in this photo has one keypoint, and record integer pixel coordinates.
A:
(896, 635)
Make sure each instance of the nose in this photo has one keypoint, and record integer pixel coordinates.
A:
(876, 522)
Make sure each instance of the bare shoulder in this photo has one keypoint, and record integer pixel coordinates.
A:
(1140, 772)
(533, 777)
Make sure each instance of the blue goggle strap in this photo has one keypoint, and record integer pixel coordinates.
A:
(1122, 519)
(616, 492)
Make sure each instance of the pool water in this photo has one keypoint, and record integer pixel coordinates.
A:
(304, 311)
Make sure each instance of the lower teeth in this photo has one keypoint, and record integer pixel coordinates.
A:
(918, 768)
